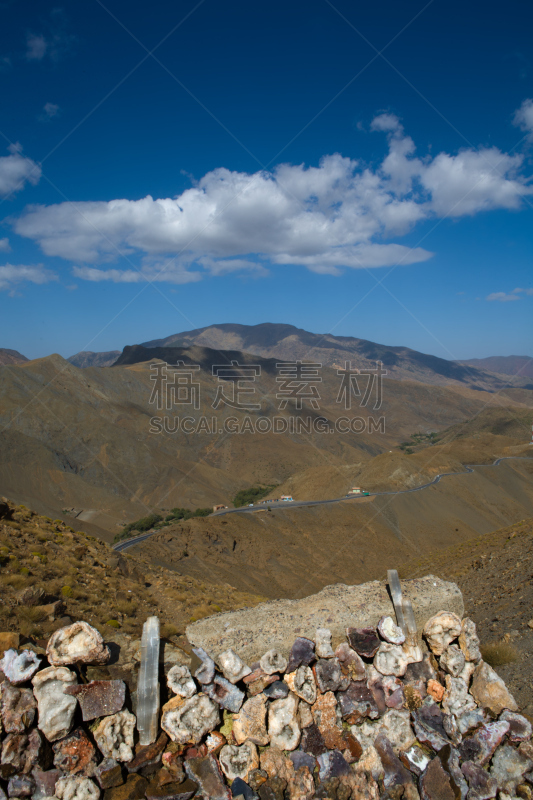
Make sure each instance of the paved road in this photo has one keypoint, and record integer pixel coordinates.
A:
(469, 468)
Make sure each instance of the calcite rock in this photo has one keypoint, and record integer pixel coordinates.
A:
(99, 698)
(19, 667)
(273, 661)
(77, 788)
(457, 700)
(191, 720)
(237, 762)
(509, 767)
(108, 774)
(206, 671)
(214, 741)
(435, 783)
(56, 708)
(325, 715)
(441, 630)
(468, 640)
(78, 643)
(277, 690)
(352, 665)
(370, 762)
(249, 723)
(389, 631)
(232, 666)
(482, 785)
(206, 772)
(489, 691)
(312, 740)
(415, 759)
(479, 747)
(391, 659)
(180, 681)
(520, 729)
(323, 643)
(75, 754)
(428, 724)
(357, 702)
(114, 736)
(283, 726)
(302, 654)
(328, 674)
(17, 708)
(453, 660)
(225, 694)
(364, 641)
(302, 683)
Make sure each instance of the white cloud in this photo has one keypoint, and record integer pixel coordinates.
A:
(12, 275)
(157, 274)
(523, 118)
(36, 47)
(338, 214)
(50, 110)
(502, 297)
(16, 170)
(523, 291)
(4, 245)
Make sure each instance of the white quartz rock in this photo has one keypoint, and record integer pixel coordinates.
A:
(389, 631)
(19, 667)
(114, 736)
(370, 761)
(283, 726)
(76, 788)
(77, 643)
(391, 659)
(191, 721)
(273, 661)
(232, 666)
(56, 709)
(181, 682)
(441, 630)
(457, 700)
(453, 660)
(395, 725)
(237, 762)
(323, 648)
(469, 641)
(302, 683)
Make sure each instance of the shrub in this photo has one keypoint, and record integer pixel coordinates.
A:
(168, 630)
(247, 496)
(497, 654)
(113, 623)
(66, 591)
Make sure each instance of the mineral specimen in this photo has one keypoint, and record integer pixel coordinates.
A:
(520, 729)
(351, 663)
(19, 667)
(328, 674)
(364, 641)
(468, 640)
(489, 691)
(78, 643)
(441, 630)
(180, 681)
(232, 666)
(237, 762)
(99, 698)
(452, 660)
(302, 683)
(249, 723)
(273, 661)
(206, 671)
(17, 707)
(509, 767)
(302, 654)
(192, 720)
(389, 631)
(225, 694)
(323, 643)
(479, 747)
(283, 724)
(148, 683)
(77, 788)
(75, 754)
(391, 659)
(114, 736)
(56, 708)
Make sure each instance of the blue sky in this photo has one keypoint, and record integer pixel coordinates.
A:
(363, 169)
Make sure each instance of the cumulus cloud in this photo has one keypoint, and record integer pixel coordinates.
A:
(16, 170)
(50, 110)
(523, 118)
(339, 214)
(11, 275)
(502, 297)
(173, 274)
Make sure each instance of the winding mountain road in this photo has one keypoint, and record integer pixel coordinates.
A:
(469, 468)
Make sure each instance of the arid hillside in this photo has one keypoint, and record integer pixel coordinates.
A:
(285, 342)
(495, 574)
(79, 441)
(520, 366)
(292, 552)
(11, 357)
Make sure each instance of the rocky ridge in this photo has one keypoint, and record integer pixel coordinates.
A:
(376, 717)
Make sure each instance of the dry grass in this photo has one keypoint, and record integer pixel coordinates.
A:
(499, 653)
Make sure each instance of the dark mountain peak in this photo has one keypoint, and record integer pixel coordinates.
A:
(11, 357)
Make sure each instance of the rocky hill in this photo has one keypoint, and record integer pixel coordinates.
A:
(519, 366)
(11, 357)
(86, 358)
(288, 343)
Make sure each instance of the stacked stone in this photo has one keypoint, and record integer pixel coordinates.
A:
(374, 718)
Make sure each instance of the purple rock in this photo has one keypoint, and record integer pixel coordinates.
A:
(99, 698)
(45, 781)
(301, 759)
(302, 654)
(395, 772)
(328, 674)
(20, 786)
(519, 726)
(482, 785)
(276, 691)
(225, 693)
(352, 664)
(332, 765)
(365, 641)
(312, 740)
(480, 747)
(428, 724)
(239, 787)
(357, 701)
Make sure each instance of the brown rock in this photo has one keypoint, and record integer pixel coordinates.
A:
(312, 741)
(489, 691)
(133, 789)
(365, 641)
(325, 714)
(206, 773)
(172, 791)
(276, 764)
(77, 643)
(250, 722)
(99, 698)
(148, 755)
(109, 774)
(435, 783)
(17, 707)
(75, 754)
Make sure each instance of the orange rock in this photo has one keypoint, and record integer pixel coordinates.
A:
(435, 689)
